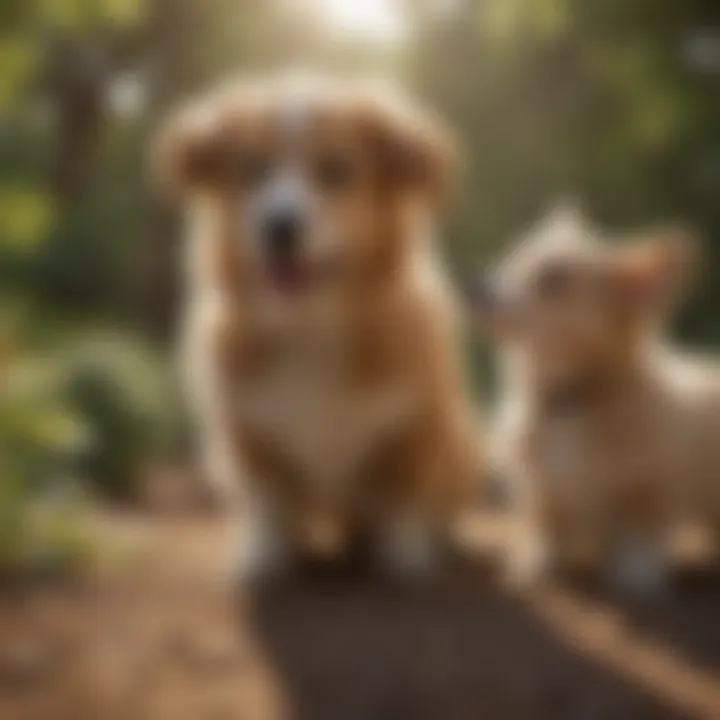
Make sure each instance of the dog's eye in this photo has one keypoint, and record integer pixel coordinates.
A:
(334, 172)
(553, 281)
(250, 169)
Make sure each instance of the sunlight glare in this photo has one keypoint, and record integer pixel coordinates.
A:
(380, 20)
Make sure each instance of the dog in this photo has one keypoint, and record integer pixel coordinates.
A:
(608, 435)
(321, 340)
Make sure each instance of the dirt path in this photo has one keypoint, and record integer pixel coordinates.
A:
(154, 638)
(167, 641)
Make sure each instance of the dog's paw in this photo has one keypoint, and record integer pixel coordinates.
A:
(261, 555)
(638, 569)
(408, 548)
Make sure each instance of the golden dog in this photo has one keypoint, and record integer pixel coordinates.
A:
(321, 339)
(610, 435)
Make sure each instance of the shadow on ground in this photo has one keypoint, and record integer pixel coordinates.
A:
(358, 649)
(163, 640)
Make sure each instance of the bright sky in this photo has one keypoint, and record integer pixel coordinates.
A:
(380, 20)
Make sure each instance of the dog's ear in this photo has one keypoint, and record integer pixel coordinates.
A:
(657, 268)
(187, 153)
(415, 154)
(566, 218)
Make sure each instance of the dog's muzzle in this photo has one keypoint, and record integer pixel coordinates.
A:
(282, 235)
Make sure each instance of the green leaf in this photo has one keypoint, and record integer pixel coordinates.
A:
(67, 14)
(122, 12)
(19, 60)
(26, 215)
(81, 15)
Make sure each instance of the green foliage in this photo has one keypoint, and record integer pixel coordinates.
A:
(26, 216)
(597, 100)
(19, 60)
(40, 437)
(92, 419)
(131, 402)
(80, 15)
(593, 98)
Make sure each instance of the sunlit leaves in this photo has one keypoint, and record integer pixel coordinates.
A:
(80, 15)
(38, 433)
(19, 60)
(121, 12)
(33, 412)
(511, 20)
(26, 215)
(651, 107)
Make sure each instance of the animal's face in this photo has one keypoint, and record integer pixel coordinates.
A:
(575, 301)
(310, 179)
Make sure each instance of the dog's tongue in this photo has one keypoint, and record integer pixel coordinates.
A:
(288, 277)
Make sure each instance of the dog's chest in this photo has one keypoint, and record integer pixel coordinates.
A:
(552, 449)
(562, 449)
(579, 453)
(305, 406)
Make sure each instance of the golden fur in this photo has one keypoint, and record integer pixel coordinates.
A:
(610, 435)
(344, 409)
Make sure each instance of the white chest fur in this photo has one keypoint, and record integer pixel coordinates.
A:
(552, 451)
(577, 457)
(304, 405)
(562, 450)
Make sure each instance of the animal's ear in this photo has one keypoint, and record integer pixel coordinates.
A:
(563, 224)
(566, 214)
(187, 154)
(655, 269)
(415, 154)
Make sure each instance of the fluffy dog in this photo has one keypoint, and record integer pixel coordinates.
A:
(321, 339)
(609, 434)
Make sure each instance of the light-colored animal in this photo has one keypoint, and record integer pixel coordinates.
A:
(321, 340)
(610, 435)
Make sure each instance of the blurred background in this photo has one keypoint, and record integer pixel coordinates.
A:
(614, 102)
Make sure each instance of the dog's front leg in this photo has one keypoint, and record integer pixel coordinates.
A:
(209, 388)
(406, 533)
(430, 477)
(408, 544)
(544, 533)
(262, 548)
(634, 538)
(637, 567)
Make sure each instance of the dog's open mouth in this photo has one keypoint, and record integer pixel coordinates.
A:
(295, 276)
(289, 277)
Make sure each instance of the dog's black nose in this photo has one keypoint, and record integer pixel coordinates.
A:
(283, 232)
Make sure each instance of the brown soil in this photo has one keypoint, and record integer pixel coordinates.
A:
(166, 639)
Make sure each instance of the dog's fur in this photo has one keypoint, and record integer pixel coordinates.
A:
(610, 435)
(339, 408)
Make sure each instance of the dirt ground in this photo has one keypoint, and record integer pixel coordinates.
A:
(164, 638)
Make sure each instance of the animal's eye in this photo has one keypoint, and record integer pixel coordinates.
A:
(250, 169)
(334, 172)
(553, 281)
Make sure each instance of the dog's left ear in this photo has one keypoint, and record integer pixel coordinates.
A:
(658, 268)
(187, 155)
(415, 154)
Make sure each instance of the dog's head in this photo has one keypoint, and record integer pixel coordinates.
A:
(574, 300)
(311, 181)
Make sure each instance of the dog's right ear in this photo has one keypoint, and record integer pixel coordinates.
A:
(564, 224)
(187, 155)
(415, 153)
(656, 270)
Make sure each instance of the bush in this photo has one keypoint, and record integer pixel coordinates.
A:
(91, 419)
(129, 399)
(40, 437)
